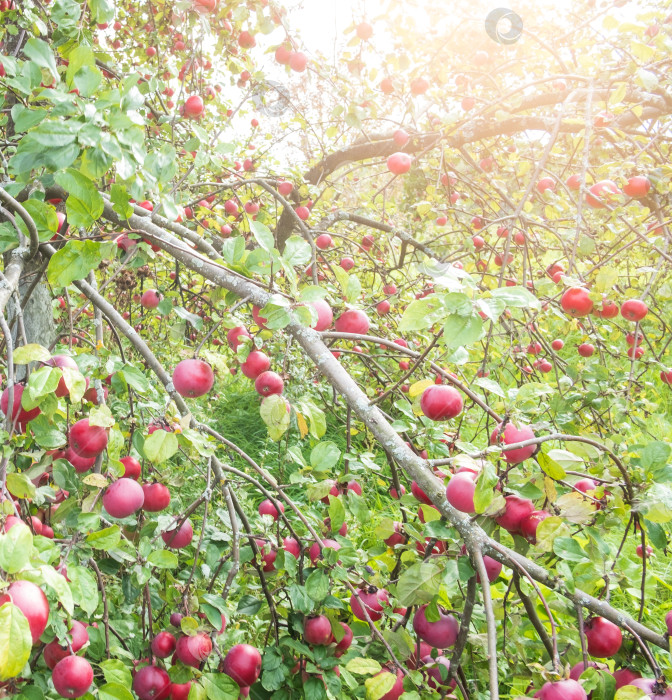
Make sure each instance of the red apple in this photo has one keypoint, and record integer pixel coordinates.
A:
(268, 383)
(151, 683)
(150, 299)
(515, 511)
(460, 491)
(325, 316)
(191, 651)
(399, 163)
(256, 363)
(298, 61)
(291, 545)
(157, 497)
(178, 539)
(576, 302)
(440, 634)
(87, 440)
(601, 193)
(603, 637)
(163, 645)
(512, 435)
(353, 321)
(33, 604)
(440, 402)
(132, 468)
(267, 507)
(370, 599)
(637, 186)
(193, 107)
(243, 664)
(72, 677)
(193, 378)
(234, 336)
(20, 416)
(563, 690)
(634, 310)
(123, 497)
(317, 630)
(54, 652)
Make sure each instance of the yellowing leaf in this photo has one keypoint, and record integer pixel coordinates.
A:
(575, 508)
(419, 387)
(303, 426)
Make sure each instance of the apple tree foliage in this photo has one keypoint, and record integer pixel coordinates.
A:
(457, 485)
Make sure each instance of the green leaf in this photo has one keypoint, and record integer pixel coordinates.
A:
(569, 549)
(550, 466)
(324, 456)
(548, 531)
(362, 666)
(489, 385)
(84, 588)
(74, 382)
(30, 353)
(87, 80)
(121, 201)
(47, 435)
(419, 584)
(73, 262)
(485, 484)
(80, 56)
(337, 513)
(101, 10)
(163, 559)
(517, 297)
(15, 548)
(16, 641)
(20, 485)
(317, 586)
(275, 415)
(219, 686)
(135, 378)
(630, 692)
(101, 416)
(9, 238)
(25, 118)
(353, 289)
(263, 235)
(422, 313)
(654, 455)
(300, 598)
(44, 218)
(105, 539)
(160, 446)
(84, 203)
(115, 672)
(114, 691)
(248, 605)
(39, 52)
(192, 319)
(462, 330)
(358, 507)
(379, 685)
(58, 583)
(42, 382)
(312, 293)
(297, 251)
(313, 688)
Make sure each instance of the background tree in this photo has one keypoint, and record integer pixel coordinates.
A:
(359, 382)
